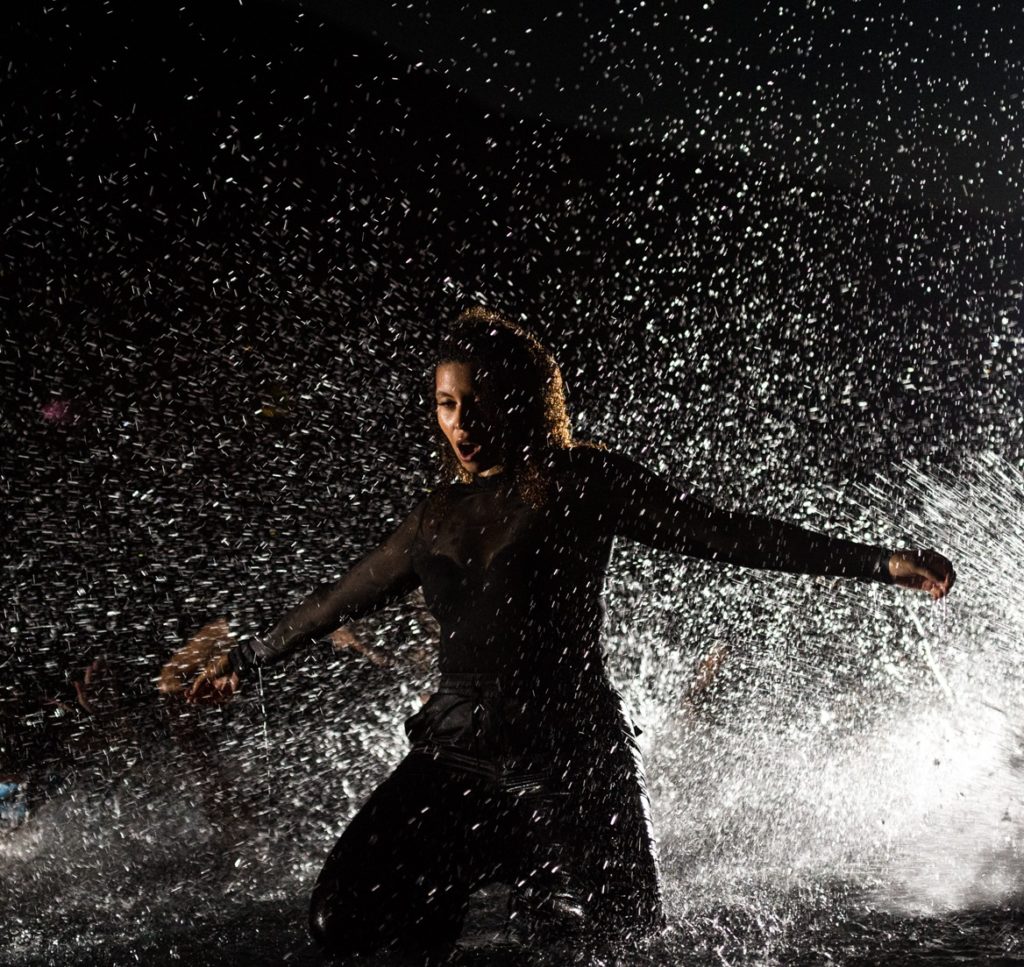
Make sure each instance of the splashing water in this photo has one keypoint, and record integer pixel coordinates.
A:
(863, 743)
(851, 771)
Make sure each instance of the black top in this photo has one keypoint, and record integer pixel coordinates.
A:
(517, 589)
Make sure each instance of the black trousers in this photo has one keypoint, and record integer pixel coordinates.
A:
(576, 851)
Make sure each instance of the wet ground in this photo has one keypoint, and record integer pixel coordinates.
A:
(273, 932)
(172, 865)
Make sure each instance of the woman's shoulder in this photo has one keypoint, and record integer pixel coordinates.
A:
(599, 475)
(587, 460)
(589, 470)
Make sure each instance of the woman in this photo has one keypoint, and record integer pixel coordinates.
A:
(523, 766)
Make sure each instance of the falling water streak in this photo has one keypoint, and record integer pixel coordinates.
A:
(266, 731)
(933, 665)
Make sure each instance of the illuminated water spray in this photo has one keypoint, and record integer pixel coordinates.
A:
(844, 752)
(859, 738)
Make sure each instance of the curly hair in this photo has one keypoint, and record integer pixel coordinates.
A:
(523, 380)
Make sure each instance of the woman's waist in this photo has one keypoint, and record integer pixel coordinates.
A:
(492, 714)
(521, 676)
(467, 683)
(511, 651)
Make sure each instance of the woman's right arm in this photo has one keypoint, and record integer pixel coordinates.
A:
(382, 576)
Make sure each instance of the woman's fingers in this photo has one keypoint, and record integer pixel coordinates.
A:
(212, 688)
(194, 690)
(222, 689)
(939, 574)
(924, 570)
(180, 673)
(200, 688)
(215, 683)
(935, 584)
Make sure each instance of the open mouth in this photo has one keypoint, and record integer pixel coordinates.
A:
(467, 451)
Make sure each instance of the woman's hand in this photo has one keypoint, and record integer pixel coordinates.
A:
(213, 639)
(923, 570)
(215, 684)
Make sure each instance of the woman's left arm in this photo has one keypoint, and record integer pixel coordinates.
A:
(641, 506)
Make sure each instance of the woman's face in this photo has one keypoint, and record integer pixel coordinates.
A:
(469, 423)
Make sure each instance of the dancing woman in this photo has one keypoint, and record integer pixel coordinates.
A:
(523, 766)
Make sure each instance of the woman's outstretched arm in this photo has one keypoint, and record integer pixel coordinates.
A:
(382, 575)
(640, 505)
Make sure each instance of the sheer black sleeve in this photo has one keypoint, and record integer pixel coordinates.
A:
(628, 500)
(382, 576)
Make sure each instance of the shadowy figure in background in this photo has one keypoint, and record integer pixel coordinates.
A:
(524, 766)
